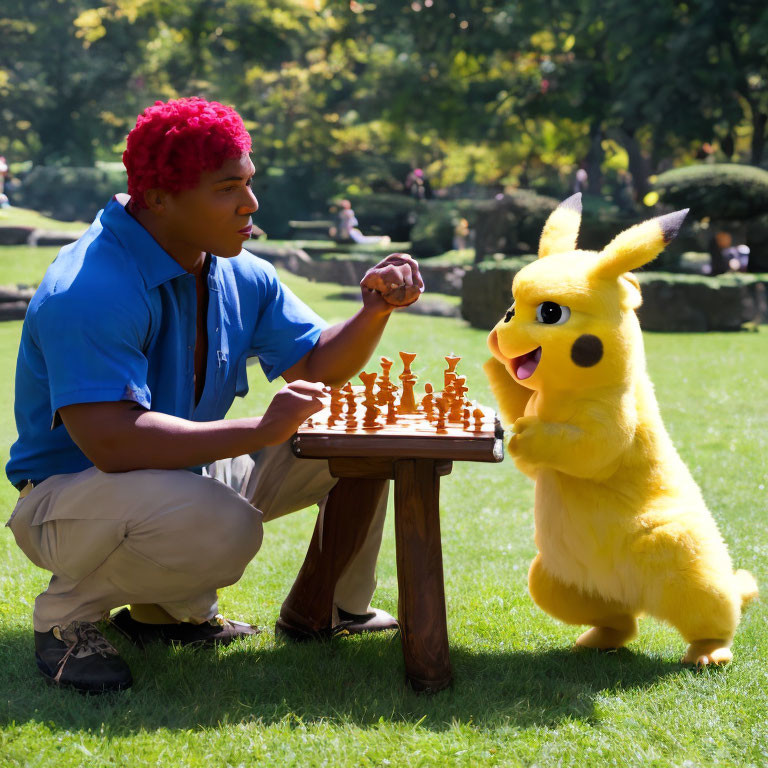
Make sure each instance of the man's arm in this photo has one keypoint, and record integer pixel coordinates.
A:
(123, 436)
(343, 349)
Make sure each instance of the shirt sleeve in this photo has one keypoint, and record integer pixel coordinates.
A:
(286, 328)
(93, 350)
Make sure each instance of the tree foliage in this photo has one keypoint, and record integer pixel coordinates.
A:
(350, 94)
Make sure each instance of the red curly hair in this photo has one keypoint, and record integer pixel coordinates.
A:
(175, 141)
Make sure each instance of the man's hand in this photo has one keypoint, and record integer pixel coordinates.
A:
(393, 282)
(291, 406)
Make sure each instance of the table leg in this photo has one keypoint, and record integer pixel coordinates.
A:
(351, 504)
(421, 606)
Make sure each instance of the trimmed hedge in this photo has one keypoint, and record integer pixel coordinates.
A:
(512, 225)
(671, 302)
(720, 191)
(69, 194)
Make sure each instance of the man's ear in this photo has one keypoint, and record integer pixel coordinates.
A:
(155, 200)
(562, 228)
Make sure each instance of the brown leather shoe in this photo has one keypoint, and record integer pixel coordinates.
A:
(216, 630)
(376, 621)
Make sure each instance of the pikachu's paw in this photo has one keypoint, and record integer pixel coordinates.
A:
(705, 652)
(604, 638)
(523, 442)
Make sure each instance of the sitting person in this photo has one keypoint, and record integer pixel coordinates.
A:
(133, 488)
(345, 227)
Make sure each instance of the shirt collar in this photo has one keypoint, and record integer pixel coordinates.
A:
(155, 265)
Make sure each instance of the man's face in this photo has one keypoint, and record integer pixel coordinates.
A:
(215, 216)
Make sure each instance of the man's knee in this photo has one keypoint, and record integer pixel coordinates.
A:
(234, 530)
(212, 530)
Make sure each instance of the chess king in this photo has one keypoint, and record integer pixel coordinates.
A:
(621, 526)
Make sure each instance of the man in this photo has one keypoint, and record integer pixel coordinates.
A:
(132, 351)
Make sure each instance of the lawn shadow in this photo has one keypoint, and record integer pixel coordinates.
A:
(352, 681)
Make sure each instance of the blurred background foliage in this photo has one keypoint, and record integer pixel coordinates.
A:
(346, 97)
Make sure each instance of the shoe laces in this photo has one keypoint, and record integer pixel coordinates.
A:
(82, 639)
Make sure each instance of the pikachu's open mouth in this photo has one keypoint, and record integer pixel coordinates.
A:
(524, 366)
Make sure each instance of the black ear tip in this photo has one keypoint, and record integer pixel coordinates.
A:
(572, 203)
(671, 223)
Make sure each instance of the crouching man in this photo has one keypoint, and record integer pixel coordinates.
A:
(133, 488)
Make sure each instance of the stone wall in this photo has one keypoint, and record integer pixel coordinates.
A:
(349, 271)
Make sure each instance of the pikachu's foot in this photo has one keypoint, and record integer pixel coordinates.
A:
(605, 638)
(705, 652)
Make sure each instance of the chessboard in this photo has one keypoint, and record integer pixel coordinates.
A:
(381, 419)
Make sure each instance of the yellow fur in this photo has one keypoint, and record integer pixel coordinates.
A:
(621, 526)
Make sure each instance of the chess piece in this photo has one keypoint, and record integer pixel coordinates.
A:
(465, 419)
(453, 361)
(428, 401)
(337, 404)
(349, 396)
(385, 385)
(478, 415)
(369, 401)
(407, 402)
(457, 398)
(391, 410)
(441, 409)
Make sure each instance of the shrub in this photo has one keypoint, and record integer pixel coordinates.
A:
(671, 302)
(69, 194)
(434, 229)
(718, 191)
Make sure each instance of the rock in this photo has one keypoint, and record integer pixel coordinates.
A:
(13, 310)
(52, 237)
(15, 235)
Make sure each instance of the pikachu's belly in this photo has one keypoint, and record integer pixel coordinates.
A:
(584, 537)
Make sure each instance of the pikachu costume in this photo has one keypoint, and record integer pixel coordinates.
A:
(621, 526)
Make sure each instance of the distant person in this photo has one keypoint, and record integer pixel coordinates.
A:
(347, 229)
(733, 258)
(415, 184)
(3, 174)
(580, 181)
(460, 235)
(725, 256)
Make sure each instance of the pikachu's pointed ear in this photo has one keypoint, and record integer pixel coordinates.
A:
(639, 244)
(562, 228)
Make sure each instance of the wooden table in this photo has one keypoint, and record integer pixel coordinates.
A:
(364, 462)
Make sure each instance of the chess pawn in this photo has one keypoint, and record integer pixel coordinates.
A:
(465, 419)
(428, 402)
(478, 416)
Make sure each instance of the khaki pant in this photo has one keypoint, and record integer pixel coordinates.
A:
(170, 537)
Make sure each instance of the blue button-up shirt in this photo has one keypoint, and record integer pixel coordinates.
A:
(115, 319)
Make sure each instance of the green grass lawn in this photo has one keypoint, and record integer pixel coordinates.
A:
(24, 217)
(521, 696)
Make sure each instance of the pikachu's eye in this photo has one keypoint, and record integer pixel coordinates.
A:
(510, 314)
(550, 313)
